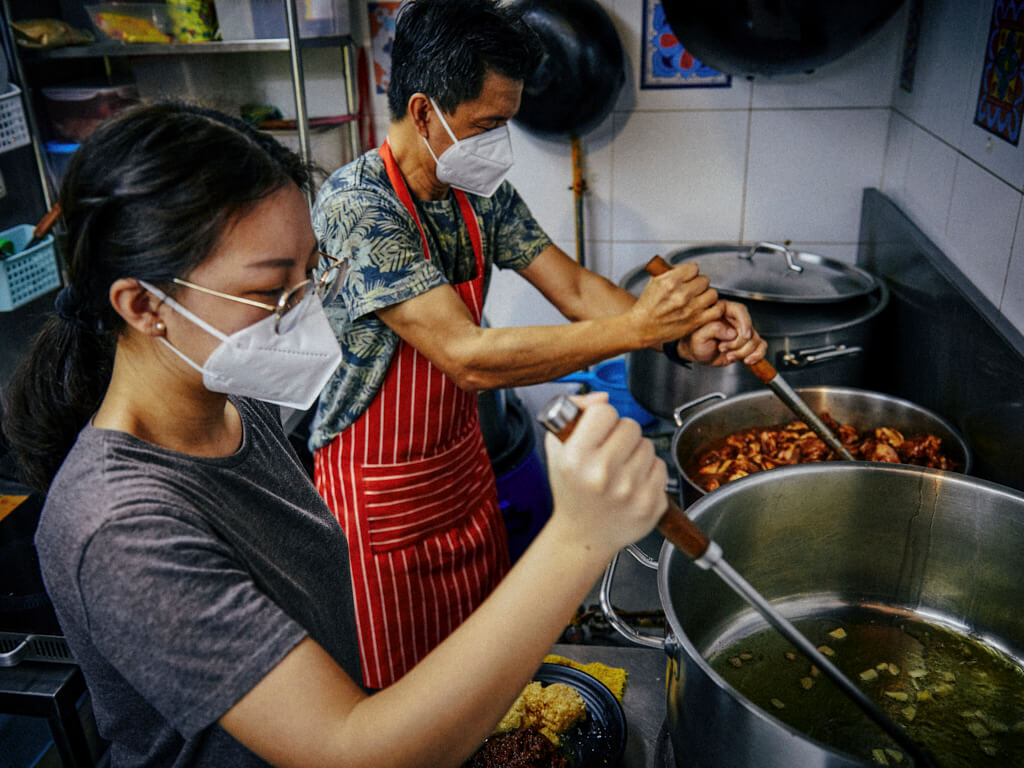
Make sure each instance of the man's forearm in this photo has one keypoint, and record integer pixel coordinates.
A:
(490, 358)
(595, 297)
(607, 321)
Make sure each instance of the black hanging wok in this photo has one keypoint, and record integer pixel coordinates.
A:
(774, 37)
(582, 70)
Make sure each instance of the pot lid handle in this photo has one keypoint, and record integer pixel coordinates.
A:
(784, 250)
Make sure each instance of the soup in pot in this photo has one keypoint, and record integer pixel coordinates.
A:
(958, 697)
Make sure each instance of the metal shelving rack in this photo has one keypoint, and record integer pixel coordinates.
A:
(294, 44)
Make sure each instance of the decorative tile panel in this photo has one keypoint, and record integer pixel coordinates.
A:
(666, 63)
(1001, 97)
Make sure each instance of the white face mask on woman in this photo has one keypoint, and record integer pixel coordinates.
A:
(476, 164)
(286, 369)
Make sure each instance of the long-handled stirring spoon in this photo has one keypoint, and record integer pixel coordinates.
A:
(766, 372)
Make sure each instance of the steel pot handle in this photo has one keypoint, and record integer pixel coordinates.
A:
(14, 656)
(647, 641)
(642, 557)
(677, 413)
(805, 357)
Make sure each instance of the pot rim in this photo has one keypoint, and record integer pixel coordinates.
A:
(882, 290)
(694, 511)
(762, 394)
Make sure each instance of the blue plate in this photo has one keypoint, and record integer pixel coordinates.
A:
(600, 739)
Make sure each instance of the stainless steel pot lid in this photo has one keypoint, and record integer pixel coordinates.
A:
(769, 272)
(775, 319)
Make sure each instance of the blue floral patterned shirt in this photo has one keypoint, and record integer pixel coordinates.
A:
(358, 217)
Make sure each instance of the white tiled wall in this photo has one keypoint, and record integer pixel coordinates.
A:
(768, 159)
(959, 183)
(787, 158)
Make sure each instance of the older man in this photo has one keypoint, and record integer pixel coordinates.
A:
(399, 456)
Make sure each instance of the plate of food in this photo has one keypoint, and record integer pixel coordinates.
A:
(564, 718)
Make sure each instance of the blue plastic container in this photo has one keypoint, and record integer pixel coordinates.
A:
(610, 377)
(58, 155)
(524, 494)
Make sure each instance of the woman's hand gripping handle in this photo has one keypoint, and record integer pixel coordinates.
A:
(576, 428)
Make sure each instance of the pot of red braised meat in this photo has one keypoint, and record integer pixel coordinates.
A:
(721, 439)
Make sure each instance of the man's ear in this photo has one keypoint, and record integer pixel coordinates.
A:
(138, 307)
(420, 110)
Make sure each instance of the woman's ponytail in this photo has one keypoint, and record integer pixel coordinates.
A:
(53, 393)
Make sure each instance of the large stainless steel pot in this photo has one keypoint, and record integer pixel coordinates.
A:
(715, 417)
(824, 340)
(816, 539)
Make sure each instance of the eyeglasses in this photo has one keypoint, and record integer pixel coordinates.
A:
(325, 287)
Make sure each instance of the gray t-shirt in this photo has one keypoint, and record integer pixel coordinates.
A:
(181, 581)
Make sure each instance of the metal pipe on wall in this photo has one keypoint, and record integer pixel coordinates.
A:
(351, 97)
(298, 83)
(579, 186)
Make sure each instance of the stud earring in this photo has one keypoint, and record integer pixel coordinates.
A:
(160, 327)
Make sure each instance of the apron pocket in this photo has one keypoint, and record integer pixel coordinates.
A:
(407, 502)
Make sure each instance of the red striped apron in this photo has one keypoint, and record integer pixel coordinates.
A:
(411, 484)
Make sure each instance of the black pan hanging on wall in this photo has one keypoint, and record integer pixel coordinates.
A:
(774, 37)
(577, 81)
(582, 71)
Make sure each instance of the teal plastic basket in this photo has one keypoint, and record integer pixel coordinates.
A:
(27, 274)
(13, 127)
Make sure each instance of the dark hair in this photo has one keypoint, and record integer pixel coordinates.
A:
(443, 48)
(147, 195)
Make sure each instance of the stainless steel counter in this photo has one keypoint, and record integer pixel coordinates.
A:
(643, 701)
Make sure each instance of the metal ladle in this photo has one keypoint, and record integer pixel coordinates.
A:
(560, 416)
(766, 372)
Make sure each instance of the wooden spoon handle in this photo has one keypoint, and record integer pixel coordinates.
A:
(657, 266)
(46, 223)
(764, 370)
(684, 534)
(560, 417)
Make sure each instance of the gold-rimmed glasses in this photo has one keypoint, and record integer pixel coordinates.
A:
(325, 286)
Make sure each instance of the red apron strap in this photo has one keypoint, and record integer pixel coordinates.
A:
(402, 190)
(468, 214)
(473, 225)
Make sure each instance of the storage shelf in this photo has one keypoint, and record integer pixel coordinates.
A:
(106, 49)
(112, 48)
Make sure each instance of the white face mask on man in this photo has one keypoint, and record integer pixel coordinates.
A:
(476, 164)
(286, 369)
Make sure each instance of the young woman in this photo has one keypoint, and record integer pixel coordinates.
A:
(201, 582)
